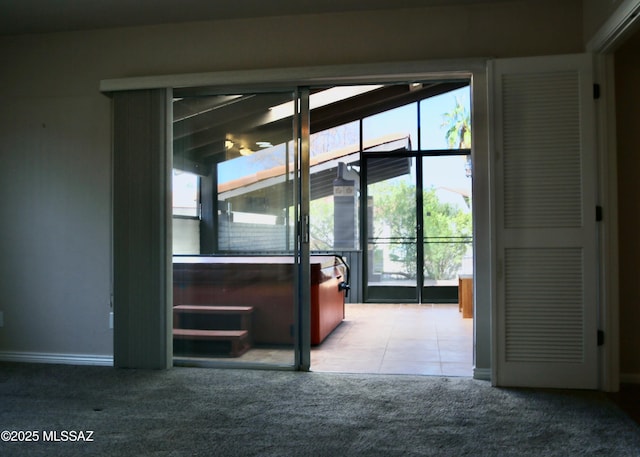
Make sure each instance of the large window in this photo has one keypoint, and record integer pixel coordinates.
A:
(418, 219)
(335, 155)
(233, 185)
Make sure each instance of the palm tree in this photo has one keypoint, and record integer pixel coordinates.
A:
(458, 125)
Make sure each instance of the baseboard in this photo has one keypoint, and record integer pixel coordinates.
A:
(483, 374)
(630, 378)
(61, 359)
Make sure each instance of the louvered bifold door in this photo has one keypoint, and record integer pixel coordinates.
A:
(543, 147)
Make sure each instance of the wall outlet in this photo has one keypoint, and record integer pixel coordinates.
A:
(1, 319)
(111, 319)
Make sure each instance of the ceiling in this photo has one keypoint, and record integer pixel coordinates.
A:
(199, 135)
(214, 129)
(203, 125)
(40, 16)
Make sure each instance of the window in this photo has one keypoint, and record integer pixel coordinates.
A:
(185, 194)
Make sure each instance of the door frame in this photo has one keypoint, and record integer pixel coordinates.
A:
(473, 69)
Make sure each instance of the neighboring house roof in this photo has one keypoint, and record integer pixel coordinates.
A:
(323, 171)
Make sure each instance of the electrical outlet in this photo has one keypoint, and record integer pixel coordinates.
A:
(111, 319)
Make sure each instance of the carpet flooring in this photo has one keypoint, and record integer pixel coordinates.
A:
(209, 412)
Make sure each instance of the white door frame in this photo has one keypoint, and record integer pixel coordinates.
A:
(473, 69)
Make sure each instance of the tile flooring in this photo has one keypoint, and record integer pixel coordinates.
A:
(399, 338)
(423, 339)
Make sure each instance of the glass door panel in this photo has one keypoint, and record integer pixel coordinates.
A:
(447, 242)
(391, 230)
(235, 281)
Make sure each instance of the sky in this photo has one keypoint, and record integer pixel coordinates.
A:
(438, 171)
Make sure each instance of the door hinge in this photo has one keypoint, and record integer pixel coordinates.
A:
(600, 337)
(596, 91)
(598, 213)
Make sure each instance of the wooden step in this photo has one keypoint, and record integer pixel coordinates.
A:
(195, 334)
(211, 309)
(210, 317)
(238, 339)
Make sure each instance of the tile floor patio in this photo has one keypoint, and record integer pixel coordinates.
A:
(427, 339)
(399, 338)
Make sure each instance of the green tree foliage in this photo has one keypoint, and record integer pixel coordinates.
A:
(458, 125)
(446, 227)
(321, 224)
(394, 218)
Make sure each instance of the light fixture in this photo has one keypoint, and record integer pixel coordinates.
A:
(245, 151)
(228, 144)
(264, 144)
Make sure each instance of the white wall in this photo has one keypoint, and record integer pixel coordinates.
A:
(55, 146)
(55, 213)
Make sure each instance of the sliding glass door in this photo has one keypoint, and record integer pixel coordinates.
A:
(247, 169)
(237, 254)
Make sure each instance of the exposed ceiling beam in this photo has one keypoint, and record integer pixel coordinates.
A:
(247, 120)
(370, 103)
(186, 108)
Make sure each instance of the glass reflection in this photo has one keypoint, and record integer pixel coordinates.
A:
(234, 269)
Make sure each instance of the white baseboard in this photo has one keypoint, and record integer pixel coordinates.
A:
(483, 374)
(630, 378)
(61, 359)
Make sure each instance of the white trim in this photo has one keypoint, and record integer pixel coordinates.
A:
(482, 374)
(300, 76)
(474, 69)
(61, 359)
(630, 378)
(608, 229)
(493, 217)
(483, 241)
(616, 28)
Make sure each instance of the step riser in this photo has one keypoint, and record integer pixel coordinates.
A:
(211, 330)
